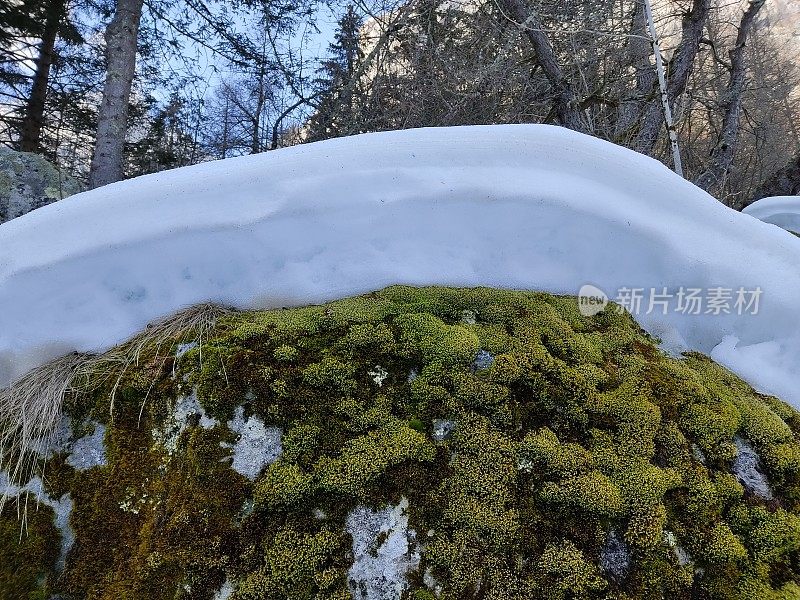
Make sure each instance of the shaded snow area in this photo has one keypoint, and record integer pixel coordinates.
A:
(61, 507)
(783, 211)
(185, 409)
(257, 446)
(385, 550)
(483, 360)
(747, 469)
(513, 206)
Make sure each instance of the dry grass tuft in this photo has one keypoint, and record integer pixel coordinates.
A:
(157, 341)
(31, 411)
(31, 408)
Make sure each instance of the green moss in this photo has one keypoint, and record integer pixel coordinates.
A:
(298, 566)
(29, 551)
(566, 573)
(579, 427)
(283, 485)
(365, 459)
(428, 339)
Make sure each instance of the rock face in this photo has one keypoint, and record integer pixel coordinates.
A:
(28, 181)
(291, 456)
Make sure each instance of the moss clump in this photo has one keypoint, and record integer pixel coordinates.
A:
(569, 431)
(29, 552)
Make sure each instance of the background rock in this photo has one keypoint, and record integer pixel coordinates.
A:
(28, 182)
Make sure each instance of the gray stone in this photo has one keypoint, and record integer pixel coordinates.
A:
(384, 551)
(483, 360)
(747, 468)
(28, 181)
(615, 558)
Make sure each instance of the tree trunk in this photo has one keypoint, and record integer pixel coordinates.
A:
(680, 67)
(31, 134)
(662, 84)
(567, 107)
(121, 44)
(724, 150)
(637, 55)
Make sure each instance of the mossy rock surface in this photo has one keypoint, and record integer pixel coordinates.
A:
(28, 181)
(526, 450)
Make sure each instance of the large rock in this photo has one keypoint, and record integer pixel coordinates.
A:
(270, 462)
(28, 181)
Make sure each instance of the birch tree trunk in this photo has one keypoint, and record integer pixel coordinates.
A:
(30, 138)
(662, 84)
(567, 107)
(680, 67)
(121, 44)
(725, 148)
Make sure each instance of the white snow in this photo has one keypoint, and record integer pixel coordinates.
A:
(443, 429)
(378, 374)
(783, 211)
(257, 445)
(82, 453)
(518, 206)
(385, 550)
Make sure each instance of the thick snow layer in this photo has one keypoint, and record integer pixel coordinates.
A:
(783, 211)
(518, 206)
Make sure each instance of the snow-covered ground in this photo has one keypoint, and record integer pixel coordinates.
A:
(783, 211)
(520, 206)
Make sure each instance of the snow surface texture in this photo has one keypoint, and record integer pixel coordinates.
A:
(615, 558)
(517, 206)
(82, 453)
(226, 591)
(384, 549)
(88, 451)
(783, 211)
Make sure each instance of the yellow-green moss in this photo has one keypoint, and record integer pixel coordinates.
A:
(580, 426)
